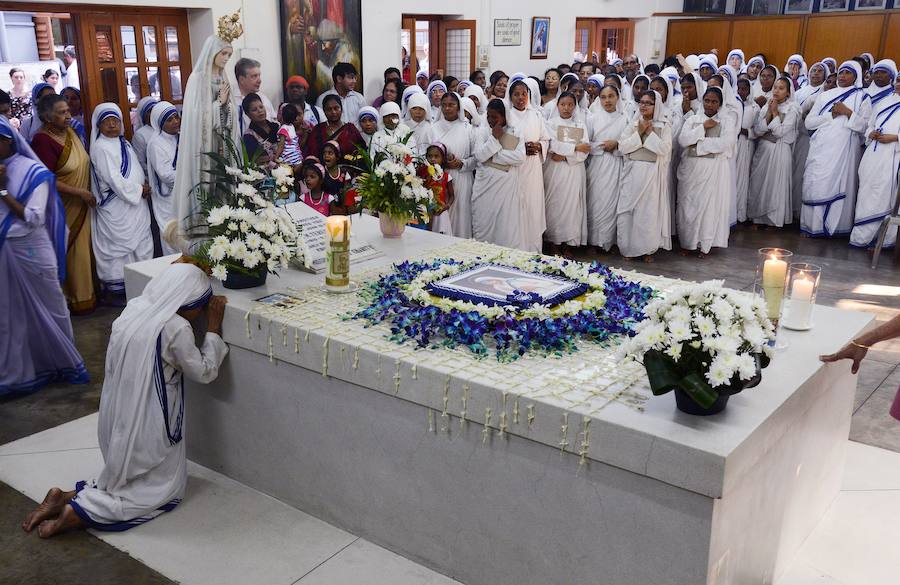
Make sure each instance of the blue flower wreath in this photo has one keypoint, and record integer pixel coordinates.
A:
(512, 335)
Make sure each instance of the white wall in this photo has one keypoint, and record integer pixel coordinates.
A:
(382, 21)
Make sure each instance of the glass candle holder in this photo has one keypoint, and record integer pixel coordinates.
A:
(771, 283)
(804, 284)
(337, 252)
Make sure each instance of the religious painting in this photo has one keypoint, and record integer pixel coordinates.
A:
(704, 6)
(870, 4)
(317, 34)
(493, 284)
(834, 5)
(798, 6)
(540, 37)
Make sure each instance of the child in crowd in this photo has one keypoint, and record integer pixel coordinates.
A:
(292, 135)
(337, 179)
(317, 195)
(442, 187)
(368, 124)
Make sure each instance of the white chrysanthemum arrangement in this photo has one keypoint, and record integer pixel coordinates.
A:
(248, 234)
(394, 185)
(720, 334)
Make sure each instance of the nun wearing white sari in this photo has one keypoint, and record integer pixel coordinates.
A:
(746, 146)
(805, 98)
(839, 118)
(878, 172)
(407, 95)
(436, 90)
(643, 214)
(771, 172)
(452, 130)
(140, 429)
(527, 119)
(795, 69)
(143, 129)
(418, 119)
(162, 158)
(565, 183)
(120, 226)
(470, 111)
(476, 94)
(707, 141)
(725, 79)
(604, 169)
(392, 130)
(883, 74)
(496, 198)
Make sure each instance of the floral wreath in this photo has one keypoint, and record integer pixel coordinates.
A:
(610, 305)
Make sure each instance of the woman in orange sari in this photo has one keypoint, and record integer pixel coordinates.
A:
(60, 148)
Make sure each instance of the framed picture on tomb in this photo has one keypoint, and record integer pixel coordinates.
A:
(798, 6)
(540, 37)
(315, 36)
(870, 4)
(834, 5)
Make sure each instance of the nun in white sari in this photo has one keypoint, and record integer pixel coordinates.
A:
(435, 92)
(878, 172)
(151, 350)
(882, 86)
(564, 175)
(143, 129)
(731, 109)
(527, 119)
(746, 146)
(470, 111)
(839, 118)
(643, 215)
(120, 226)
(805, 98)
(707, 140)
(771, 172)
(452, 130)
(604, 170)
(162, 158)
(476, 94)
(418, 119)
(496, 197)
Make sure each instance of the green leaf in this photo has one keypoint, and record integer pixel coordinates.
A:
(698, 389)
(661, 371)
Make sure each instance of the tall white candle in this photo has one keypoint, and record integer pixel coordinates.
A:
(774, 274)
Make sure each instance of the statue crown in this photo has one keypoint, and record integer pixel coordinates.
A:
(230, 27)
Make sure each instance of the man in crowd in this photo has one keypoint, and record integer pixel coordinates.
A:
(295, 91)
(249, 79)
(344, 76)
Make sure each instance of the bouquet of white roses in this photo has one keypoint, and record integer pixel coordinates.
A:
(247, 233)
(392, 183)
(703, 341)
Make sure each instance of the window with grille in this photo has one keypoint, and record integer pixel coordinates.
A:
(458, 53)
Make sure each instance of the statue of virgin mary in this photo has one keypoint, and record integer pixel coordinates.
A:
(207, 113)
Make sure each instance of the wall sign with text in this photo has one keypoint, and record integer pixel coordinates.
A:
(507, 32)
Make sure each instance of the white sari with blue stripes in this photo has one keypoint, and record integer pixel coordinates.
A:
(878, 172)
(141, 425)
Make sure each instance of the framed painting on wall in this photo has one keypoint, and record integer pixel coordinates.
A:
(834, 5)
(871, 4)
(317, 35)
(540, 37)
(798, 6)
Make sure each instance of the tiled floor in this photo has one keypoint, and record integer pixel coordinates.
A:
(847, 282)
(224, 532)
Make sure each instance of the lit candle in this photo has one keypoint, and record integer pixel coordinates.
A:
(801, 301)
(337, 252)
(774, 274)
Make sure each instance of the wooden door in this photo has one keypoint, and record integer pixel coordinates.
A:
(456, 40)
(125, 57)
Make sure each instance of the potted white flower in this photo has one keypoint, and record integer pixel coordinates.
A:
(703, 342)
(247, 235)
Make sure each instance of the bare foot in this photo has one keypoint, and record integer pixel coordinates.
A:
(649, 259)
(50, 508)
(683, 252)
(701, 255)
(67, 520)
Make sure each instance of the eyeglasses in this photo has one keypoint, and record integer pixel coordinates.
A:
(643, 103)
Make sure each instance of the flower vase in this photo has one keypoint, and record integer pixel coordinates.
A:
(391, 227)
(236, 280)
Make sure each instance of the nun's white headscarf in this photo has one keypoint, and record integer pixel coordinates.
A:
(117, 149)
(407, 94)
(417, 100)
(885, 65)
(798, 60)
(671, 74)
(736, 53)
(475, 91)
(468, 107)
(856, 68)
(144, 107)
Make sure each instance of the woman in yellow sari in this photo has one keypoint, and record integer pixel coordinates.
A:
(60, 148)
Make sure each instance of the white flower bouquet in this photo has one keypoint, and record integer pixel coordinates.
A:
(705, 343)
(248, 236)
(393, 183)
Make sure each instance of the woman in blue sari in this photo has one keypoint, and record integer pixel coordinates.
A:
(37, 346)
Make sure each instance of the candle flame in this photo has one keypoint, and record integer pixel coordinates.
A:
(773, 257)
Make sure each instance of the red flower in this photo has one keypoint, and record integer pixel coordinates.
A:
(408, 159)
